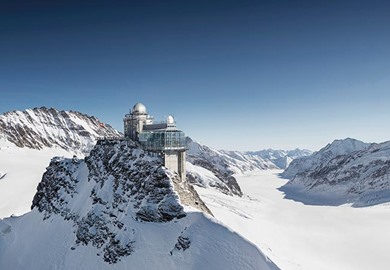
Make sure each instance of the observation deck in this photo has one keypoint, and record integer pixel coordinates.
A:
(162, 140)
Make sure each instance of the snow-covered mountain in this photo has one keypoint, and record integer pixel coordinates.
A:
(115, 209)
(40, 128)
(358, 174)
(28, 141)
(207, 167)
(330, 151)
(281, 158)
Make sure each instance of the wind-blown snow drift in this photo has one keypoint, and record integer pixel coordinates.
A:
(115, 209)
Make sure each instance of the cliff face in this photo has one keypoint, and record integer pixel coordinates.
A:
(42, 127)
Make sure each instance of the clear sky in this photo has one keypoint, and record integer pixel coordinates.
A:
(237, 75)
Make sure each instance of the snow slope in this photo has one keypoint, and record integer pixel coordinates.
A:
(22, 170)
(303, 237)
(28, 242)
(118, 209)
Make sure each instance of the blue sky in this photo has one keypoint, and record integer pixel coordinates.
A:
(242, 75)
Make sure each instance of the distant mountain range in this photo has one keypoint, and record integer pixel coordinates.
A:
(330, 151)
(345, 171)
(216, 168)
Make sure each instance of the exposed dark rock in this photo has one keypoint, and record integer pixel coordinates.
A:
(123, 181)
(183, 243)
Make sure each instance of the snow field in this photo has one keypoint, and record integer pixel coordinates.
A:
(305, 237)
(42, 245)
(24, 168)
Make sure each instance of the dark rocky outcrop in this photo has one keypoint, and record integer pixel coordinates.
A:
(121, 180)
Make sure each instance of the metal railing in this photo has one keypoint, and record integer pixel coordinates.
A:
(112, 138)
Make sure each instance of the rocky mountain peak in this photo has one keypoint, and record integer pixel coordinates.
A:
(48, 127)
(118, 181)
(324, 155)
(344, 146)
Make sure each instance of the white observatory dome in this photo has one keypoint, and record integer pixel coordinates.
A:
(139, 108)
(170, 120)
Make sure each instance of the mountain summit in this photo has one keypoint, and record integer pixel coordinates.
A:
(331, 150)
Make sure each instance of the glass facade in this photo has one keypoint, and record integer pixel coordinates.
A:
(160, 140)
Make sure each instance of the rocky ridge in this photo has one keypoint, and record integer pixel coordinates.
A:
(43, 127)
(330, 151)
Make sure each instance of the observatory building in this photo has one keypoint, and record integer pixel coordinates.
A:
(162, 138)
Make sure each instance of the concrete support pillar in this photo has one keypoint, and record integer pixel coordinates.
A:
(176, 161)
(182, 165)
